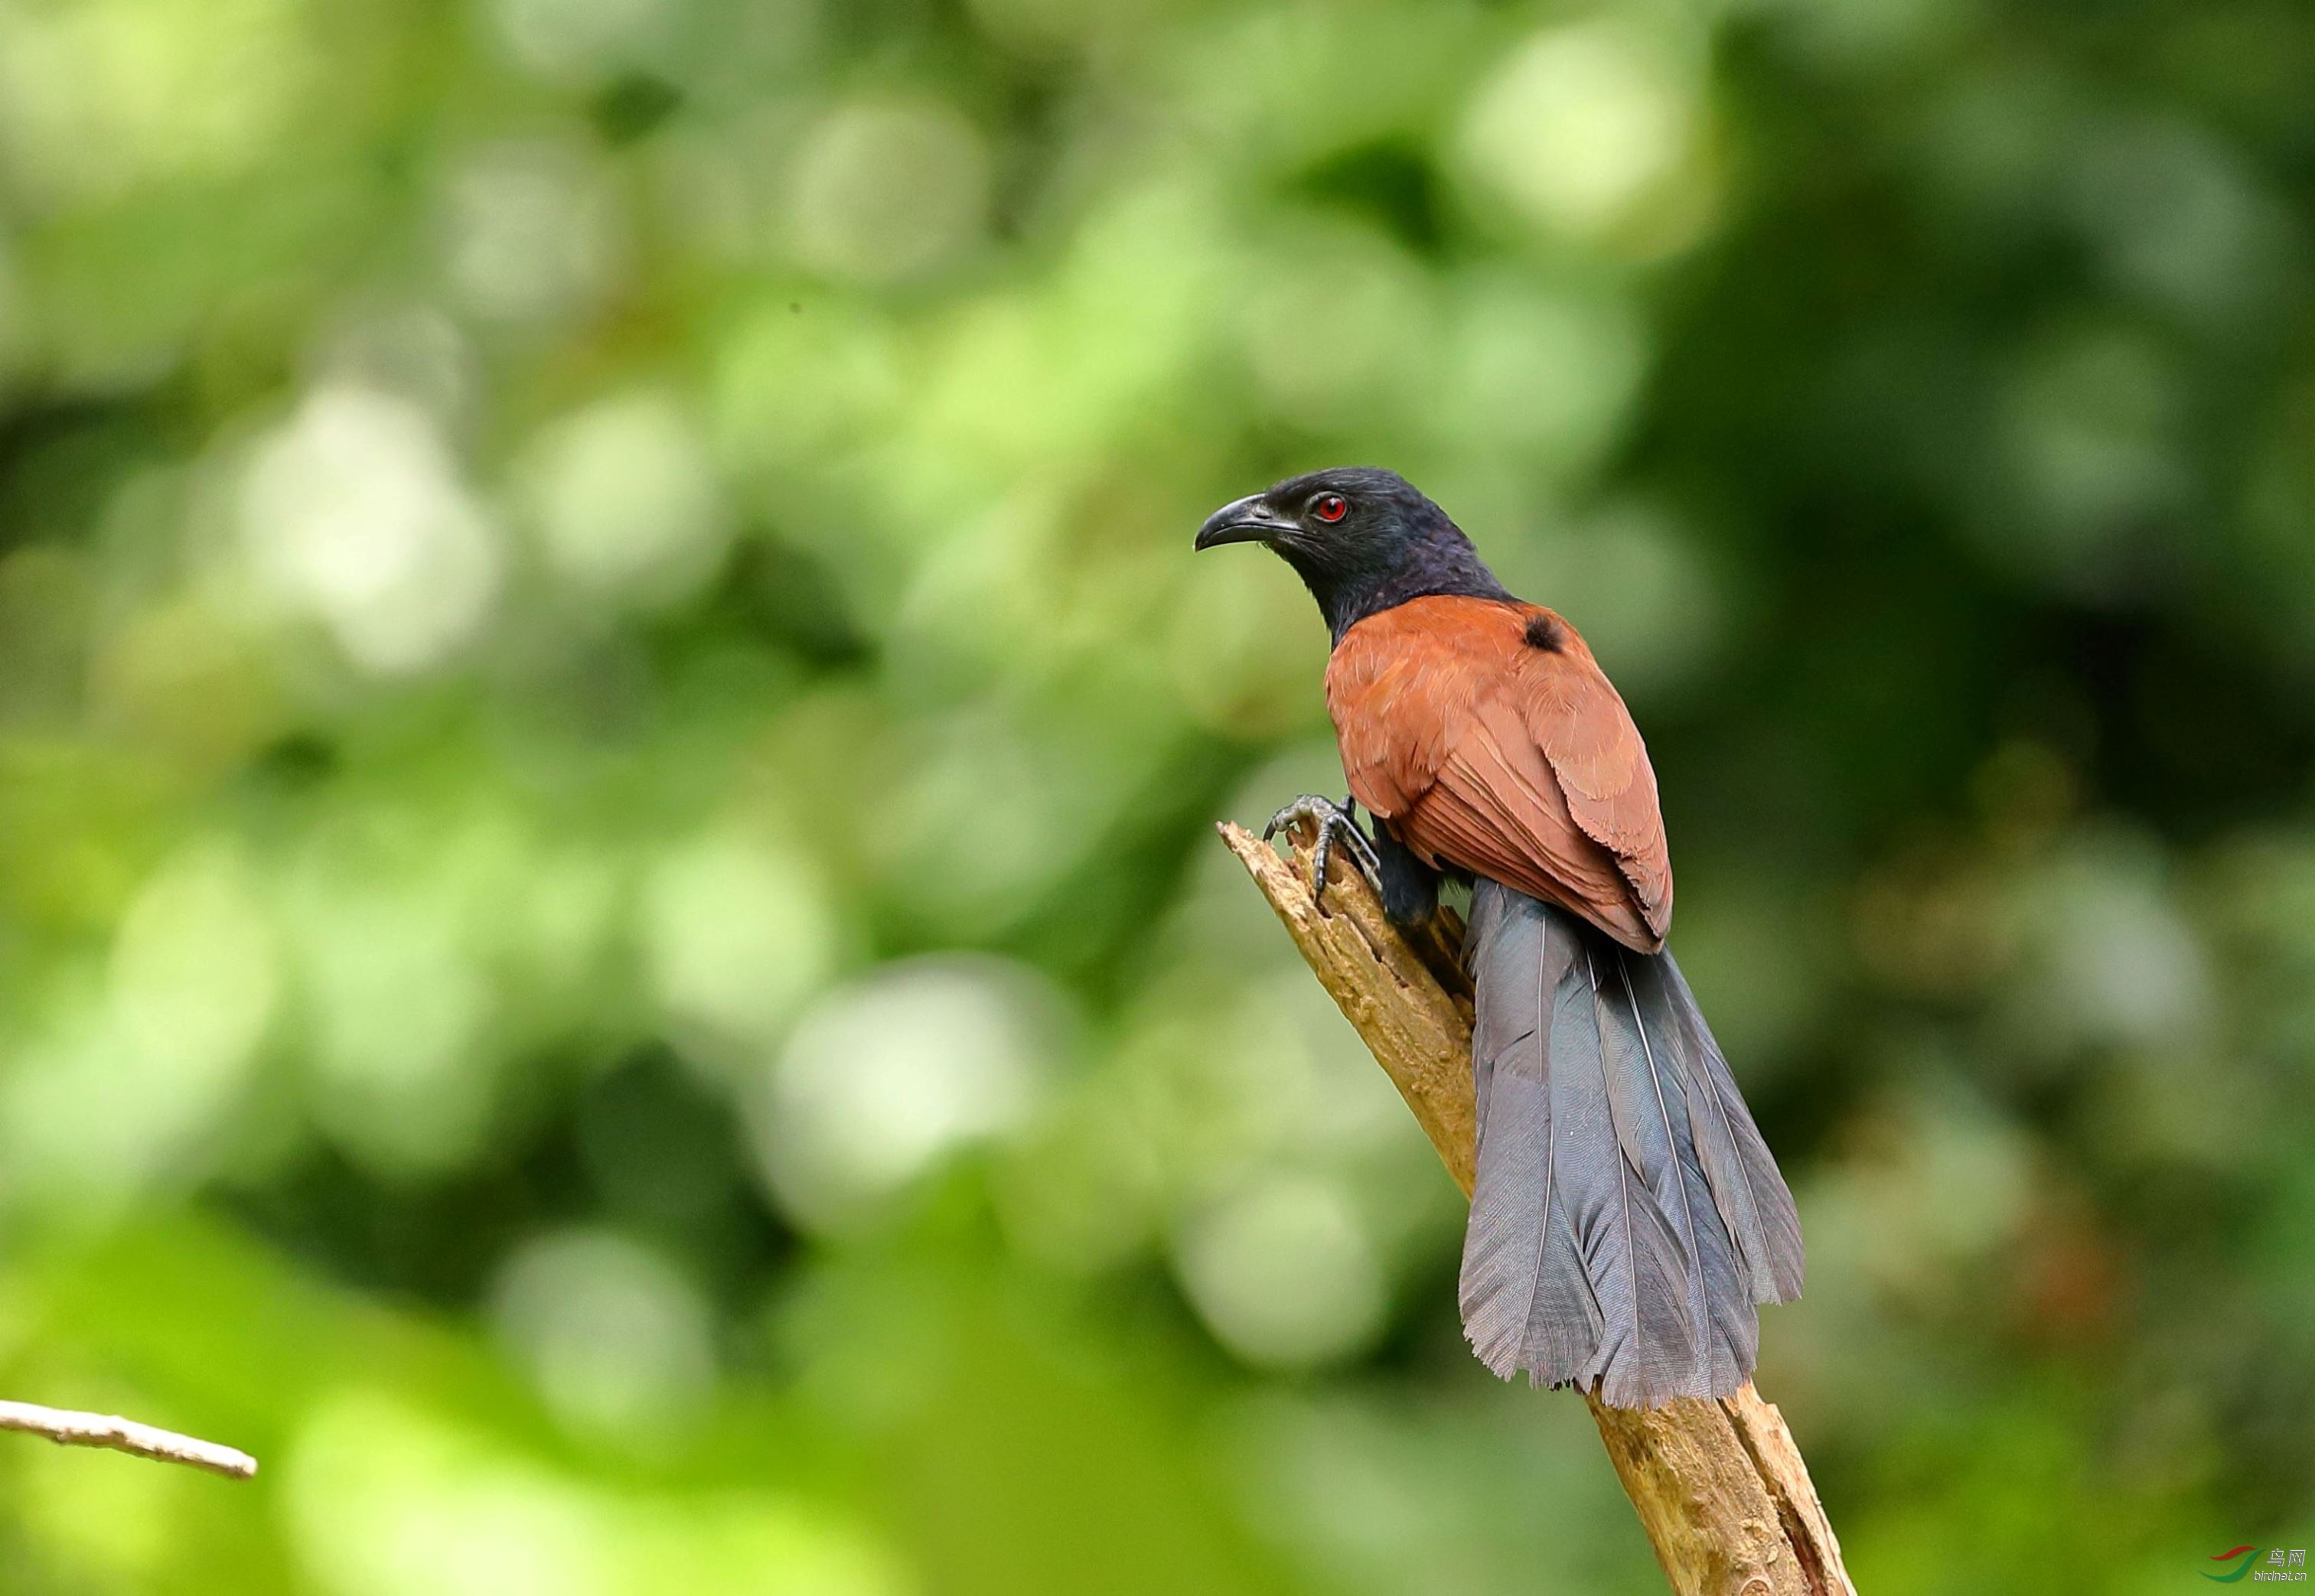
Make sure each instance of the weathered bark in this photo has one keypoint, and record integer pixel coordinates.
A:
(1719, 1486)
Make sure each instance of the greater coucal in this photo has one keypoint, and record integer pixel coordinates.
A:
(1627, 1215)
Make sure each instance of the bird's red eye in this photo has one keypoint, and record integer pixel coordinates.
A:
(1331, 508)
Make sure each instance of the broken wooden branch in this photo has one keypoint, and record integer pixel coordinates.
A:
(1719, 1486)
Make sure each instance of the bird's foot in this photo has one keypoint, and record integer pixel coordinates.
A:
(1336, 825)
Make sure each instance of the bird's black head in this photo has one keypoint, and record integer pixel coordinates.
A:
(1362, 539)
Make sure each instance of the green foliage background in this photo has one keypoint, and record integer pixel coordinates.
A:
(610, 948)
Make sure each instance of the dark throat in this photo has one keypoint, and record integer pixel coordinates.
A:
(1442, 565)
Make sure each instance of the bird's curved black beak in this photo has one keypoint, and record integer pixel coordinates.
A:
(1248, 520)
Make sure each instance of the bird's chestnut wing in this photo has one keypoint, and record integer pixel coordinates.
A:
(1485, 732)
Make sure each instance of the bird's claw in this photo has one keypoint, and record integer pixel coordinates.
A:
(1336, 825)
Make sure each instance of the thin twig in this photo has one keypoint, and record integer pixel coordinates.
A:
(67, 1428)
(1719, 1486)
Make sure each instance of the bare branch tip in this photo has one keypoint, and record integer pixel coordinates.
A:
(67, 1427)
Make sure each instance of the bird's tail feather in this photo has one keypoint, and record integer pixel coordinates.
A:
(1626, 1215)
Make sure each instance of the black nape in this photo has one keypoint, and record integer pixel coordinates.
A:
(1386, 545)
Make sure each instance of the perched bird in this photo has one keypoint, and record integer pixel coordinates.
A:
(1627, 1215)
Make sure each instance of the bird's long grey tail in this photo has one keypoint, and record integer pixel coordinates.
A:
(1627, 1215)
